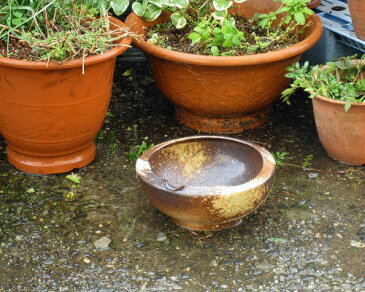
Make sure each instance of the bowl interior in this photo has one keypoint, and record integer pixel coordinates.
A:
(207, 162)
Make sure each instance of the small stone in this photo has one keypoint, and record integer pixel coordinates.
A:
(161, 236)
(102, 243)
(338, 235)
(18, 238)
(30, 191)
(86, 261)
(213, 263)
(264, 266)
(312, 175)
(357, 244)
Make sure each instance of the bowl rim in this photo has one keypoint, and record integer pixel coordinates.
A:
(267, 171)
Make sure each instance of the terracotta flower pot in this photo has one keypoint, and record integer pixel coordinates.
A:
(223, 94)
(342, 133)
(357, 12)
(50, 113)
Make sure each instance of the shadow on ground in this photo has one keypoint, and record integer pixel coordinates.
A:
(308, 236)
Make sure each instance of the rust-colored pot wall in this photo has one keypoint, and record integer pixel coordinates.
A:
(223, 94)
(314, 4)
(50, 113)
(357, 12)
(342, 134)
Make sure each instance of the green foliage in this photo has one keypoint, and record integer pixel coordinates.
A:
(215, 29)
(138, 151)
(338, 80)
(59, 30)
(74, 178)
(296, 12)
(277, 239)
(307, 161)
(279, 158)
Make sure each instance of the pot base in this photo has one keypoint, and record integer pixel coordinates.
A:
(222, 125)
(51, 165)
(215, 227)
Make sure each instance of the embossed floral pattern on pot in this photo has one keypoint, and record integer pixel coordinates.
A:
(223, 94)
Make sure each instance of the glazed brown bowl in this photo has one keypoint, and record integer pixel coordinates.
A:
(206, 182)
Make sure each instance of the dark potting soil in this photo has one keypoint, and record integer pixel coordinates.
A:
(20, 50)
(17, 50)
(177, 39)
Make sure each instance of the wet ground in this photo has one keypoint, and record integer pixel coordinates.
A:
(308, 236)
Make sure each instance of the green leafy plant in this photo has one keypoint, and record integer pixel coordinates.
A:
(214, 28)
(74, 178)
(50, 30)
(280, 157)
(342, 79)
(138, 151)
(307, 161)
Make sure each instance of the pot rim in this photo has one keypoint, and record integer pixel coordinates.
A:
(221, 61)
(41, 65)
(267, 170)
(339, 102)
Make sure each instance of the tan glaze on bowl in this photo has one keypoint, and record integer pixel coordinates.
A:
(223, 94)
(50, 113)
(342, 133)
(357, 12)
(206, 182)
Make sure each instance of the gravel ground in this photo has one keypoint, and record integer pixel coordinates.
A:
(102, 234)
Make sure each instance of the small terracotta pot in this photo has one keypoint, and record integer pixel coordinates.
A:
(206, 182)
(342, 133)
(50, 113)
(357, 12)
(223, 94)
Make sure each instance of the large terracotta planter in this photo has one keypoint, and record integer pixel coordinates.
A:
(223, 94)
(342, 133)
(357, 12)
(50, 113)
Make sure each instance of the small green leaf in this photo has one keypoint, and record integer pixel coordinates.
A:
(178, 20)
(74, 178)
(215, 50)
(347, 106)
(276, 239)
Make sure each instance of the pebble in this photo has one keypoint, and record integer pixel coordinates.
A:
(18, 238)
(312, 175)
(357, 244)
(213, 263)
(102, 243)
(161, 236)
(262, 266)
